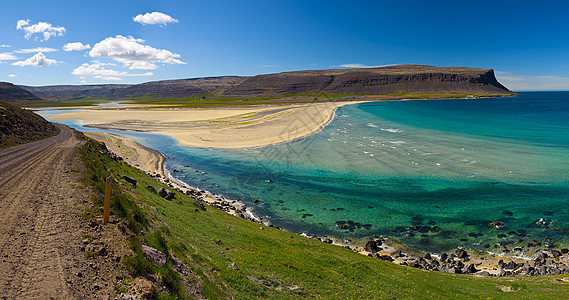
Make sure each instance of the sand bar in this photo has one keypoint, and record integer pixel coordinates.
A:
(229, 128)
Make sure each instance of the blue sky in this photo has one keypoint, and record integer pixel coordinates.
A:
(525, 42)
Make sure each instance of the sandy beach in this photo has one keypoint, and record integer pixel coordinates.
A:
(229, 128)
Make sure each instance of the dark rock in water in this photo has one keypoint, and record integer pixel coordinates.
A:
(564, 250)
(541, 222)
(129, 180)
(463, 240)
(548, 213)
(427, 256)
(268, 181)
(435, 229)
(496, 225)
(444, 256)
(461, 253)
(507, 213)
(418, 219)
(518, 249)
(501, 235)
(534, 243)
(473, 234)
(486, 246)
(306, 215)
(371, 246)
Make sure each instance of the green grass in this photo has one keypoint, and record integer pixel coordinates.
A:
(295, 267)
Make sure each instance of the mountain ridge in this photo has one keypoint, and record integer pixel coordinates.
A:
(362, 81)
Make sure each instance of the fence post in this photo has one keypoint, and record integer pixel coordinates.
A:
(107, 211)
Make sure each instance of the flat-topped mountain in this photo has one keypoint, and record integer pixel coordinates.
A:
(400, 79)
(372, 81)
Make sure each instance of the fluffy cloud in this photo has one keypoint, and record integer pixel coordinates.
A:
(77, 46)
(12, 75)
(5, 46)
(7, 56)
(44, 28)
(132, 53)
(38, 60)
(154, 18)
(99, 70)
(36, 50)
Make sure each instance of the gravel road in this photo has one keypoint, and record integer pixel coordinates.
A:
(43, 240)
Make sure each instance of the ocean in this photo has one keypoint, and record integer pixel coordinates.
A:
(484, 174)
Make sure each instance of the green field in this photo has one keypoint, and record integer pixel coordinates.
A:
(273, 264)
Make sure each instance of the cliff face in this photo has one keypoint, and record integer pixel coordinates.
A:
(373, 81)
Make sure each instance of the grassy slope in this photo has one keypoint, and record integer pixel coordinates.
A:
(208, 241)
(19, 126)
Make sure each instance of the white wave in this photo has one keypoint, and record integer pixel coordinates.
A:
(393, 130)
(372, 125)
(397, 142)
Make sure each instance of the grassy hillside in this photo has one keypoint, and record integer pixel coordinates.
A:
(19, 126)
(229, 257)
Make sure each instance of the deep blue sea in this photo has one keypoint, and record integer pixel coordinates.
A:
(431, 174)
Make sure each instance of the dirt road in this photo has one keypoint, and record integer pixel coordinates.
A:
(43, 241)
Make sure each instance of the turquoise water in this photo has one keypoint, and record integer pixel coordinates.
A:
(432, 174)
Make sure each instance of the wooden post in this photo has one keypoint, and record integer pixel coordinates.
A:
(107, 211)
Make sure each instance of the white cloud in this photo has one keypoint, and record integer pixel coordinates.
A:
(12, 75)
(36, 50)
(132, 53)
(38, 60)
(5, 46)
(154, 18)
(77, 46)
(533, 83)
(7, 56)
(359, 66)
(98, 70)
(44, 28)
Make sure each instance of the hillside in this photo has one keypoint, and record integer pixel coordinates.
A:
(415, 80)
(19, 126)
(13, 94)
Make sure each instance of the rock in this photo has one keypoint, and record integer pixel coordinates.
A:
(496, 225)
(156, 257)
(564, 251)
(470, 269)
(166, 194)
(396, 253)
(151, 188)
(371, 246)
(444, 257)
(142, 288)
(507, 213)
(233, 266)
(386, 258)
(511, 265)
(556, 253)
(427, 256)
(482, 273)
(129, 180)
(461, 253)
(541, 222)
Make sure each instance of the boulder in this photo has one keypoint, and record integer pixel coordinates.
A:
(461, 253)
(470, 269)
(154, 255)
(496, 225)
(166, 194)
(129, 180)
(371, 246)
(151, 188)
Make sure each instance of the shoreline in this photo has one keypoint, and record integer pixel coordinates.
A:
(223, 128)
(544, 262)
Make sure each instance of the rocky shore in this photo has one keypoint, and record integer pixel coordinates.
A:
(537, 259)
